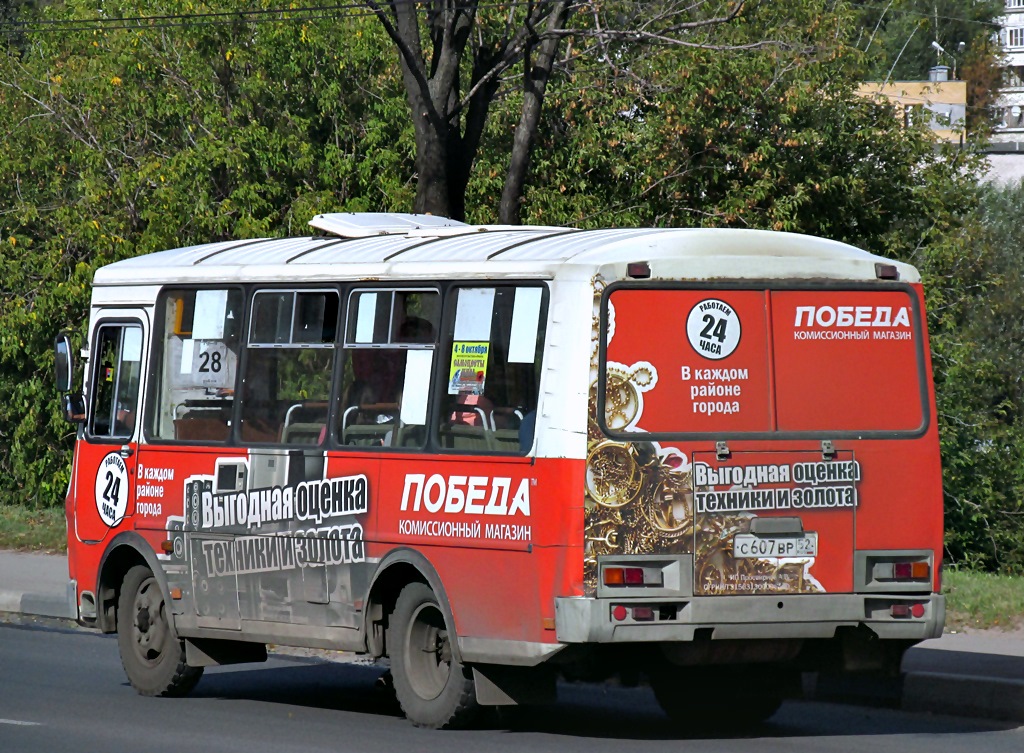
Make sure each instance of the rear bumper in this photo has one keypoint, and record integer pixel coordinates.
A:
(591, 620)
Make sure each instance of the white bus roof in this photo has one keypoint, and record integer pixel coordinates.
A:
(395, 246)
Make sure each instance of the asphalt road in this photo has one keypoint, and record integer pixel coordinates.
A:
(62, 689)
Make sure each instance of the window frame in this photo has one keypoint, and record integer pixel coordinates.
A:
(250, 292)
(122, 323)
(347, 346)
(446, 344)
(250, 308)
(156, 363)
(921, 356)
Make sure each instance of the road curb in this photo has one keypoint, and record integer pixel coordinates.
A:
(973, 696)
(964, 695)
(38, 604)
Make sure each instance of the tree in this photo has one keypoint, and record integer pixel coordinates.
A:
(980, 69)
(978, 358)
(10, 10)
(454, 55)
(122, 141)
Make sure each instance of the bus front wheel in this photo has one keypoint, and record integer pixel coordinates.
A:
(434, 689)
(153, 658)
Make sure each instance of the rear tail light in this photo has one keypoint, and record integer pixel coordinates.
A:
(639, 270)
(902, 571)
(904, 611)
(631, 576)
(643, 614)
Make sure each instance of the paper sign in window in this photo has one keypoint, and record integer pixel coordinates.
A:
(416, 388)
(211, 307)
(522, 346)
(468, 369)
(187, 351)
(473, 317)
(365, 317)
(132, 345)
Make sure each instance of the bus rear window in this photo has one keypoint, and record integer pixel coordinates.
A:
(721, 361)
(847, 361)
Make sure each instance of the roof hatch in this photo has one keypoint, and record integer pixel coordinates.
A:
(367, 224)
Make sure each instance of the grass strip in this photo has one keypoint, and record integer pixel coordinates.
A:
(32, 529)
(983, 600)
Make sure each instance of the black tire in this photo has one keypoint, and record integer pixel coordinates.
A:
(433, 688)
(152, 657)
(708, 701)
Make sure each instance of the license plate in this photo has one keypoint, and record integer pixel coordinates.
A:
(750, 545)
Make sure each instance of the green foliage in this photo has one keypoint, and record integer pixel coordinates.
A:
(898, 35)
(33, 528)
(120, 142)
(676, 139)
(977, 350)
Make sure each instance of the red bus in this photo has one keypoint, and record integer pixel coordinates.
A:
(497, 456)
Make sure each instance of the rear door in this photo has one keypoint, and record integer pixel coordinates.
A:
(769, 394)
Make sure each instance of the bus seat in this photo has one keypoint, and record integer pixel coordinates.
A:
(366, 435)
(464, 437)
(303, 433)
(409, 435)
(506, 439)
(369, 425)
(506, 428)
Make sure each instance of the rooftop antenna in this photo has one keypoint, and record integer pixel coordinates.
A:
(942, 51)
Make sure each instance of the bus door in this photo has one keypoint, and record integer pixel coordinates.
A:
(796, 397)
(104, 490)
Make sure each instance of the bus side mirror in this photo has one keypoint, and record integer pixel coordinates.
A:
(74, 408)
(72, 404)
(64, 362)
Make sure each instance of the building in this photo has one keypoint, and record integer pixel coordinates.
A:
(1010, 127)
(939, 103)
(1006, 152)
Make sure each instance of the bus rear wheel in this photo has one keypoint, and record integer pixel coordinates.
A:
(153, 658)
(434, 689)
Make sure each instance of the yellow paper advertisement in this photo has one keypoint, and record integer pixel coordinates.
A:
(468, 368)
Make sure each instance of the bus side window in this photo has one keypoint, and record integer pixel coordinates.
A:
(199, 335)
(493, 367)
(389, 342)
(286, 387)
(115, 380)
